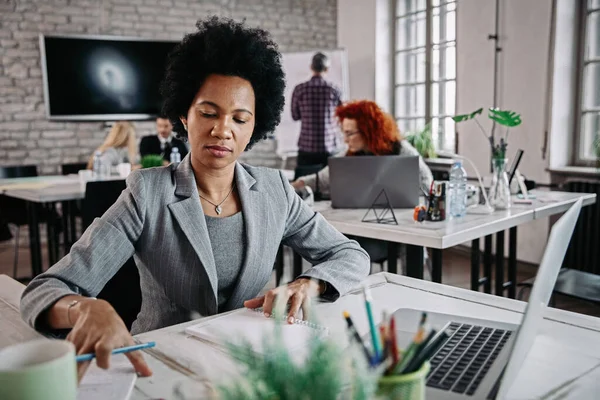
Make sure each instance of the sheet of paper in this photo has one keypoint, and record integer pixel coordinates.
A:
(252, 326)
(116, 383)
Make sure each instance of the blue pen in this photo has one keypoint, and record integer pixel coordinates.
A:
(374, 334)
(127, 349)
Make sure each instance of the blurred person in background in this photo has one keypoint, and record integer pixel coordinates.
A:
(118, 147)
(368, 131)
(314, 103)
(163, 142)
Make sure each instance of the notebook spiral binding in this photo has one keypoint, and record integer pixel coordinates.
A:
(297, 321)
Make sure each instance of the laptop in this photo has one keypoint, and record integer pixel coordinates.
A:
(482, 358)
(355, 182)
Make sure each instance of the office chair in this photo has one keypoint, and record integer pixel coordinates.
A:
(376, 249)
(14, 211)
(72, 168)
(123, 290)
(303, 170)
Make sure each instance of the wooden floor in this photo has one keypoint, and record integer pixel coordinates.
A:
(456, 271)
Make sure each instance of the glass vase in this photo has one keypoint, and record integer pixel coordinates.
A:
(499, 196)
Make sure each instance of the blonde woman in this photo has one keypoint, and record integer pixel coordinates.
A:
(119, 146)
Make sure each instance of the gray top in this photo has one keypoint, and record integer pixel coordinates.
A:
(228, 241)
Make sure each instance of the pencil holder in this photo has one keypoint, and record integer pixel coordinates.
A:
(404, 387)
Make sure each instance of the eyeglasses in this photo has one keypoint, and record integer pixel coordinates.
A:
(350, 134)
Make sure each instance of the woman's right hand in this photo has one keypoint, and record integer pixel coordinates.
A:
(99, 329)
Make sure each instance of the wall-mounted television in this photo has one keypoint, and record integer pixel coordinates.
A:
(102, 78)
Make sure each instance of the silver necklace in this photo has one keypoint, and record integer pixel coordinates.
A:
(218, 208)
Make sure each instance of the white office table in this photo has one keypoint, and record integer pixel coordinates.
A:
(442, 235)
(568, 343)
(46, 191)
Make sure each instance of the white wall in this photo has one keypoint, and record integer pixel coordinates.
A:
(523, 68)
(523, 73)
(356, 33)
(364, 28)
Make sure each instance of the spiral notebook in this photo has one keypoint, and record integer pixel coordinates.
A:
(253, 326)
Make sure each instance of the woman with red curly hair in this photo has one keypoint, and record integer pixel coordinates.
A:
(368, 130)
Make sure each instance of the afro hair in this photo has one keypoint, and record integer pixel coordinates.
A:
(223, 46)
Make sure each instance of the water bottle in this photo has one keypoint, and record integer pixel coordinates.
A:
(97, 167)
(458, 191)
(175, 155)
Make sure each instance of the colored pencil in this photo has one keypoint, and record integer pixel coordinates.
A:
(374, 334)
(120, 350)
(394, 342)
(356, 336)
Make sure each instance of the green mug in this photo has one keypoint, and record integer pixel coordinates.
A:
(39, 369)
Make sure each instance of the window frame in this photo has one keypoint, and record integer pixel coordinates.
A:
(577, 156)
(428, 82)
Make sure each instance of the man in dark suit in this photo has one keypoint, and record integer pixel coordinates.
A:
(162, 143)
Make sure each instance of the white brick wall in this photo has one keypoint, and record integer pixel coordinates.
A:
(26, 137)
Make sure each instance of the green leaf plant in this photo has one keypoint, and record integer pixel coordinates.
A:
(507, 118)
(329, 371)
(422, 141)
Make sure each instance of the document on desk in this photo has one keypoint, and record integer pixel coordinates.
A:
(254, 327)
(116, 383)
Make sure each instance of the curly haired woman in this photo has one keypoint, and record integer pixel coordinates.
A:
(204, 232)
(368, 131)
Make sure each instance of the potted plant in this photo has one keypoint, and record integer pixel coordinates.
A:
(152, 160)
(328, 370)
(499, 196)
(422, 141)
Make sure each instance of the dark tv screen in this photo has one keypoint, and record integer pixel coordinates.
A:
(89, 78)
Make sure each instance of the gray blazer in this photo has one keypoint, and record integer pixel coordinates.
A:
(158, 219)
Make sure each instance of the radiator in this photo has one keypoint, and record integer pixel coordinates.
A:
(584, 250)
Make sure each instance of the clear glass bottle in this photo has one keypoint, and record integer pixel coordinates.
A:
(457, 196)
(175, 155)
(499, 196)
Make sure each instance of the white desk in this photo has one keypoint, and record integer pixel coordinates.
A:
(449, 233)
(46, 191)
(445, 234)
(565, 339)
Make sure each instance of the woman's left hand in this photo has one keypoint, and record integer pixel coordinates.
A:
(297, 294)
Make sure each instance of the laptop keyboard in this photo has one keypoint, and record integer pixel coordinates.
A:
(462, 362)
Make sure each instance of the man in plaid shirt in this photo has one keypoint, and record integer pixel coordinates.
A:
(314, 103)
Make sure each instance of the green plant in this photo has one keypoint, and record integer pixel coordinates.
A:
(507, 118)
(152, 160)
(327, 371)
(422, 141)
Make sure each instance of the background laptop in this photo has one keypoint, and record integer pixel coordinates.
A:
(481, 358)
(355, 182)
